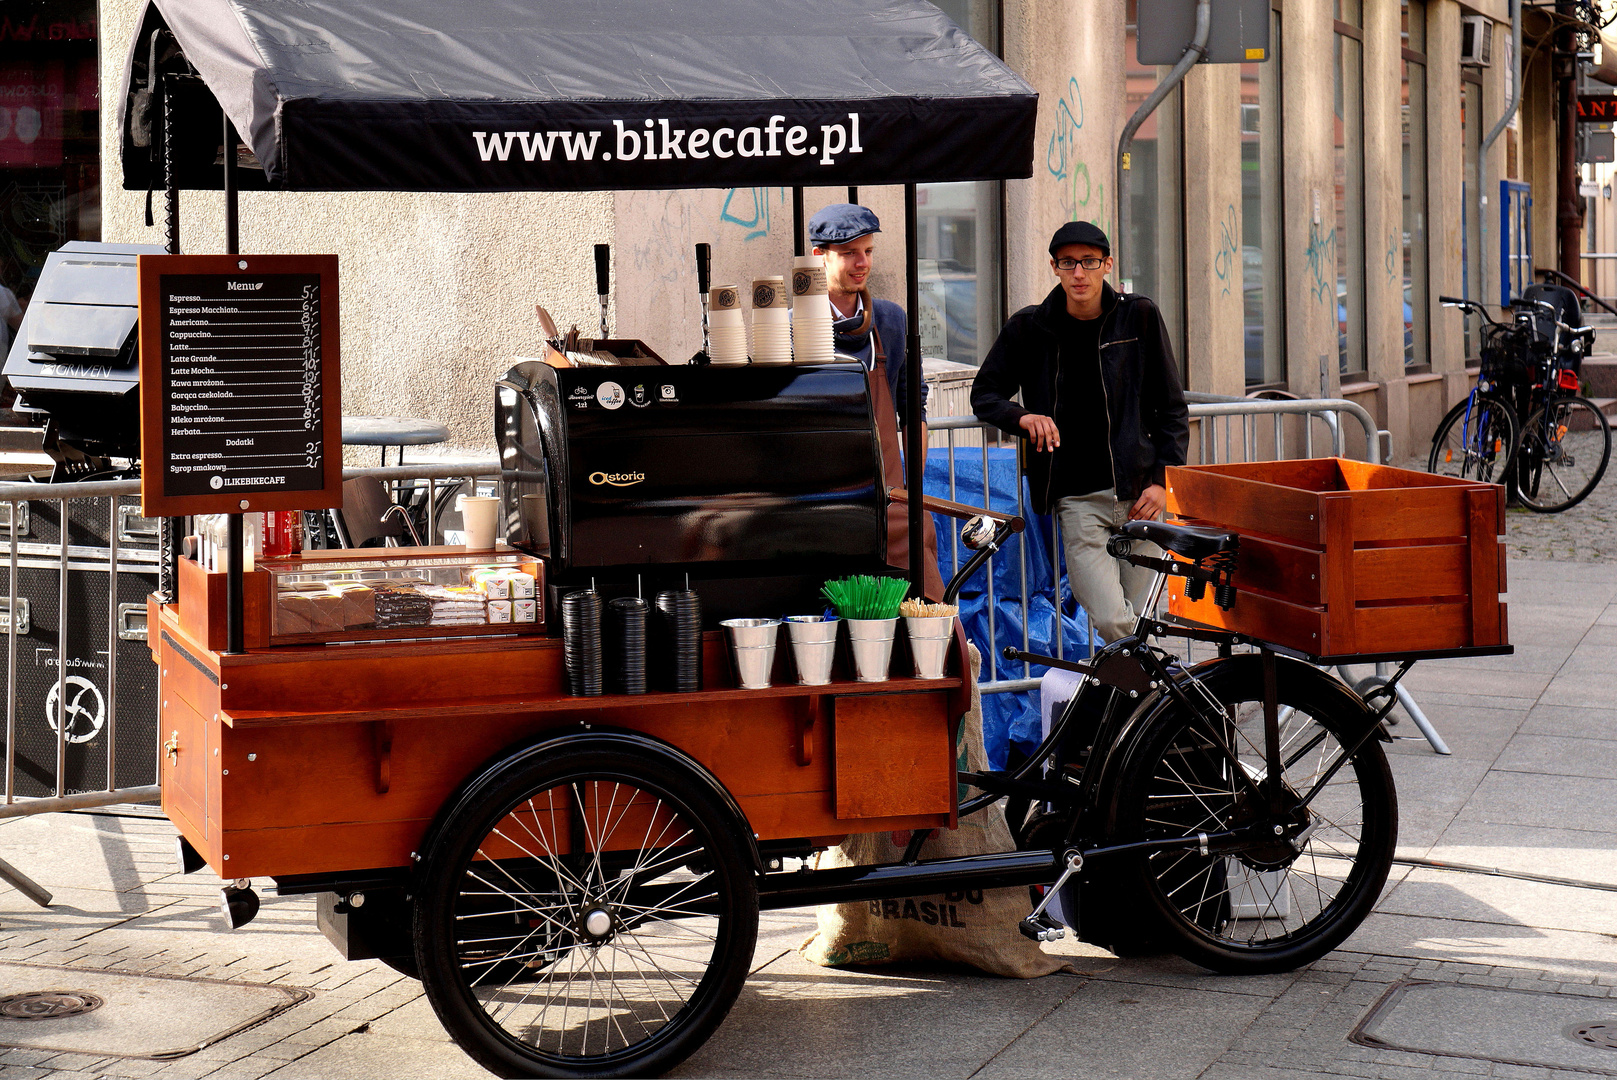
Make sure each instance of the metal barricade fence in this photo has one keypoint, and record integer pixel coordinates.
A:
(124, 622)
(65, 702)
(1244, 429)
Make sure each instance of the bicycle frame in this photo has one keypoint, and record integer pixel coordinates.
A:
(1137, 679)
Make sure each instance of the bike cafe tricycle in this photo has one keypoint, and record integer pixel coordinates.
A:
(536, 774)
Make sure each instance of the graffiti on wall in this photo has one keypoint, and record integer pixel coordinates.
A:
(748, 208)
(1392, 258)
(1227, 261)
(1082, 198)
(1322, 264)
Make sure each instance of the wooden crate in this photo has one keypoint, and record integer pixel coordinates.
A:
(1341, 558)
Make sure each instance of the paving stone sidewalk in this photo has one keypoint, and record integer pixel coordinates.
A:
(1531, 787)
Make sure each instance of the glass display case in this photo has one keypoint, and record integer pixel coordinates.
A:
(373, 593)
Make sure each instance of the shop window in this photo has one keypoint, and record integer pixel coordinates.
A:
(1350, 241)
(1155, 248)
(50, 173)
(1416, 300)
(961, 247)
(1262, 266)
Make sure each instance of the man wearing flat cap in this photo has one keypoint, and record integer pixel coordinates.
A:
(876, 333)
(1102, 414)
(872, 330)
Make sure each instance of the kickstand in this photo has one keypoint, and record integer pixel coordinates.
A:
(24, 884)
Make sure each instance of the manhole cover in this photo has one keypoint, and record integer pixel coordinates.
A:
(1601, 1035)
(1542, 1029)
(48, 1004)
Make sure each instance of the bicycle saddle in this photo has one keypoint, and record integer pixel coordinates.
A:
(1191, 541)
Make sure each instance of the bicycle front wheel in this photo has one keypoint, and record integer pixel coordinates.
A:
(1474, 441)
(1319, 859)
(1564, 450)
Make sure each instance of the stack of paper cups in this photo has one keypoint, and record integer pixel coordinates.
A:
(811, 312)
(727, 333)
(771, 322)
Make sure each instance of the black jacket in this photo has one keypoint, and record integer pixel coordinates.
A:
(1150, 426)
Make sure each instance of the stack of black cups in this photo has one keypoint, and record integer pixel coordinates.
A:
(626, 643)
(581, 641)
(679, 623)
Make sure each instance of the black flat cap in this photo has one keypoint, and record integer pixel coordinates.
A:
(1080, 232)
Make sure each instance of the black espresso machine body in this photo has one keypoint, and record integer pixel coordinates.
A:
(757, 482)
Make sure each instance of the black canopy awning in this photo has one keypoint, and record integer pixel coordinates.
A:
(500, 95)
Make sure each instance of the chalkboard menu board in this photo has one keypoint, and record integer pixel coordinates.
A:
(239, 384)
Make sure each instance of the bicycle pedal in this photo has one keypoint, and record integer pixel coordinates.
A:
(1041, 928)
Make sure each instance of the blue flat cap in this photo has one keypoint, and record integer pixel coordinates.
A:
(841, 222)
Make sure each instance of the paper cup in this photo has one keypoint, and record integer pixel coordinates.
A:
(479, 513)
(769, 292)
(929, 644)
(724, 298)
(872, 641)
(726, 318)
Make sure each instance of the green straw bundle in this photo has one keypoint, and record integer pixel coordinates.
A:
(865, 597)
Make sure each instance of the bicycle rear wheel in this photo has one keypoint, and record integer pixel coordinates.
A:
(1475, 440)
(1279, 899)
(1564, 450)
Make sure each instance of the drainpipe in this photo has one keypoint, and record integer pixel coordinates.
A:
(1489, 139)
(1194, 52)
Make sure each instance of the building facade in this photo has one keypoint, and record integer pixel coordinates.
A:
(1296, 218)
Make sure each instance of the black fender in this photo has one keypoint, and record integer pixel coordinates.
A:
(1218, 674)
(595, 739)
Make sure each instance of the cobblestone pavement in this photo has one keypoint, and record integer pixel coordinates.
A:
(1585, 533)
(1530, 788)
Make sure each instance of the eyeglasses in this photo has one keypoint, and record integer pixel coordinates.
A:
(1090, 263)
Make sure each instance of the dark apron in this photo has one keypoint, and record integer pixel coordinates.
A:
(898, 514)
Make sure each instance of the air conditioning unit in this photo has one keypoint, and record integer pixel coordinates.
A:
(1476, 40)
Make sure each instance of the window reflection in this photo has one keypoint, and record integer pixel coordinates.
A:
(1262, 219)
(1155, 251)
(1349, 232)
(50, 177)
(961, 242)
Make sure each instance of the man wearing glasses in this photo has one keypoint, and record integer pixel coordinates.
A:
(1102, 412)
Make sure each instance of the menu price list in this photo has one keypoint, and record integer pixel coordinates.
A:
(242, 380)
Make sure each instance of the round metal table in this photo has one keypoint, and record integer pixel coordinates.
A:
(386, 431)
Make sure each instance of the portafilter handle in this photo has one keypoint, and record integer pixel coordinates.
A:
(704, 259)
(603, 279)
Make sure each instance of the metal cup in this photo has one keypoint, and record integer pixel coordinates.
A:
(872, 641)
(929, 644)
(753, 642)
(753, 665)
(814, 647)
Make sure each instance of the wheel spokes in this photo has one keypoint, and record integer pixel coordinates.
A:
(543, 972)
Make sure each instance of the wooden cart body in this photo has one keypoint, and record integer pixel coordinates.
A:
(310, 760)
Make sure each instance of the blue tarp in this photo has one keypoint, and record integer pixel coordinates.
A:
(1007, 718)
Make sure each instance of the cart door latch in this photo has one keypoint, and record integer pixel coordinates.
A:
(171, 749)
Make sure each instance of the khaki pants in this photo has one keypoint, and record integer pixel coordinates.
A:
(1108, 589)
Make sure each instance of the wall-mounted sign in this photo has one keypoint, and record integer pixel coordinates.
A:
(1597, 108)
(239, 384)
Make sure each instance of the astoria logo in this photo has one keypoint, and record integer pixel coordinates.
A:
(617, 479)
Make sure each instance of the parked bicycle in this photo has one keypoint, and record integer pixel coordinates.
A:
(1524, 425)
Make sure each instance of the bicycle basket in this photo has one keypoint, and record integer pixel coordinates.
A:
(1506, 356)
